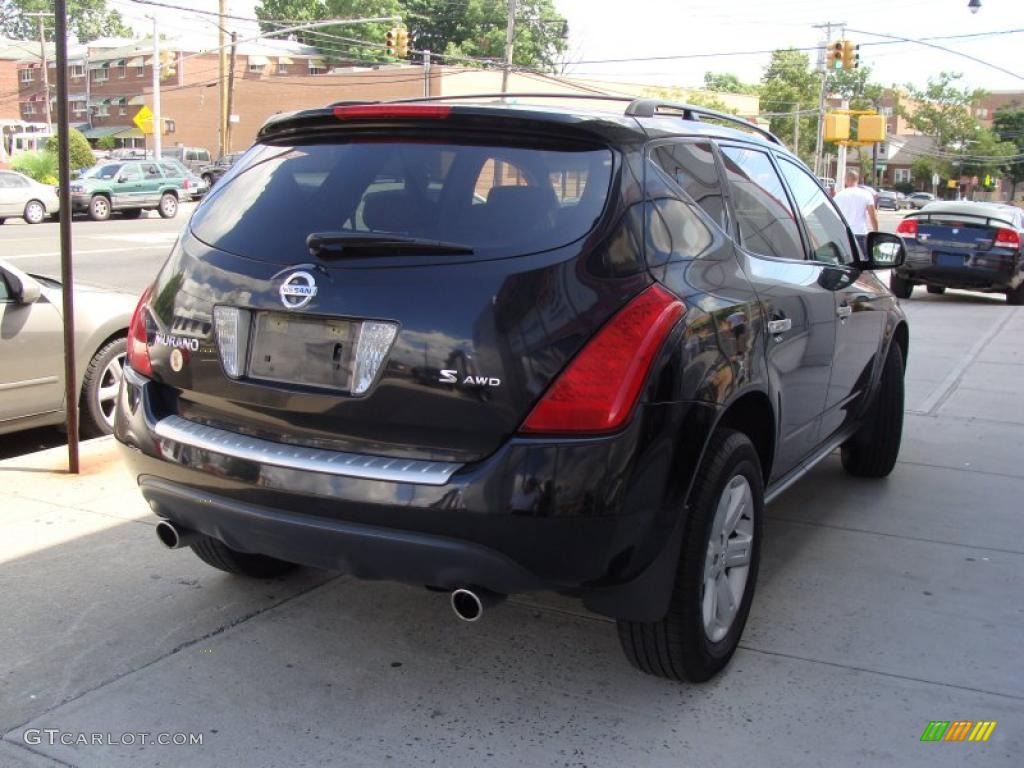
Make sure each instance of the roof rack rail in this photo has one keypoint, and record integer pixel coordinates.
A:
(650, 107)
(512, 95)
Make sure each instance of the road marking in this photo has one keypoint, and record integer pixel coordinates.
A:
(145, 237)
(50, 254)
(945, 389)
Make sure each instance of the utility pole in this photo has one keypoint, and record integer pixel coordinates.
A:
(510, 36)
(426, 73)
(231, 91)
(819, 144)
(841, 155)
(222, 82)
(42, 57)
(157, 122)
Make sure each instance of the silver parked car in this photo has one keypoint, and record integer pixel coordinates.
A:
(23, 197)
(32, 351)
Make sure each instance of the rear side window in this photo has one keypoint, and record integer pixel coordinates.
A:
(767, 224)
(497, 200)
(692, 166)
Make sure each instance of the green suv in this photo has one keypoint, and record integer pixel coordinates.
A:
(129, 187)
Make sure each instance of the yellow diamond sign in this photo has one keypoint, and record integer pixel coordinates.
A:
(144, 119)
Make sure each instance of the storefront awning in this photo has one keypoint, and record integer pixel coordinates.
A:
(99, 133)
(129, 133)
(137, 100)
(258, 61)
(136, 62)
(99, 65)
(283, 60)
(317, 64)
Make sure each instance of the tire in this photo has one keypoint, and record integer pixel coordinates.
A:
(1015, 298)
(100, 388)
(35, 212)
(132, 213)
(99, 208)
(900, 288)
(221, 556)
(682, 646)
(168, 207)
(874, 447)
(938, 290)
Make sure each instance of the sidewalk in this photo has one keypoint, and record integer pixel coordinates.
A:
(881, 606)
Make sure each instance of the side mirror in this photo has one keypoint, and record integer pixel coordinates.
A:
(121, 179)
(24, 289)
(884, 251)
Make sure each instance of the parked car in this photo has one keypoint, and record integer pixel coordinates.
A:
(920, 199)
(22, 197)
(963, 245)
(640, 343)
(192, 185)
(888, 201)
(212, 173)
(32, 350)
(128, 187)
(193, 158)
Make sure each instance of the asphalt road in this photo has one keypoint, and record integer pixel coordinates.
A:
(117, 253)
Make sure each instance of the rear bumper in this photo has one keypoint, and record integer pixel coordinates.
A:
(982, 272)
(589, 517)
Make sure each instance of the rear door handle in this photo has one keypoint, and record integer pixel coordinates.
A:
(844, 311)
(776, 327)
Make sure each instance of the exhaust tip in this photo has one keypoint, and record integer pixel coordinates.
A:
(168, 535)
(467, 604)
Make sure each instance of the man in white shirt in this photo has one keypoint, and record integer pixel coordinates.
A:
(858, 207)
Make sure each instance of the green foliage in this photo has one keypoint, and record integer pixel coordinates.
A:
(1008, 125)
(986, 144)
(697, 98)
(942, 110)
(726, 82)
(106, 143)
(467, 28)
(41, 166)
(78, 149)
(853, 84)
(789, 83)
(87, 19)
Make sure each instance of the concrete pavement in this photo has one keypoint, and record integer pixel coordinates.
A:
(881, 605)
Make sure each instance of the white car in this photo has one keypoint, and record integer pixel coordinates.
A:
(21, 196)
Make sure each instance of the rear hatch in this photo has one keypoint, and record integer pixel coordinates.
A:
(405, 286)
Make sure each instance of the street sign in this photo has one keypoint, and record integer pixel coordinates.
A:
(144, 119)
(935, 179)
(952, 184)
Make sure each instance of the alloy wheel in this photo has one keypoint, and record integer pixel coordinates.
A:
(727, 562)
(109, 386)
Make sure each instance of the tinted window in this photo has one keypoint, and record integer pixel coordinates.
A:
(830, 241)
(151, 171)
(108, 171)
(130, 172)
(766, 221)
(692, 166)
(674, 232)
(498, 200)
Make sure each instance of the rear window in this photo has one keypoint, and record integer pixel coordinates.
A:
(497, 200)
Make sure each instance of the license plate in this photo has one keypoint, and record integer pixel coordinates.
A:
(310, 351)
(949, 260)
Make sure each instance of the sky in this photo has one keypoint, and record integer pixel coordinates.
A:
(610, 29)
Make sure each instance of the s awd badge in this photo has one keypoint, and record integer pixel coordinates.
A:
(452, 377)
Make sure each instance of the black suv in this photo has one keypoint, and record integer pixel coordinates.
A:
(493, 348)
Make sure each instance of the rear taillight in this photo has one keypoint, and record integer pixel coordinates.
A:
(599, 388)
(138, 341)
(187, 184)
(1007, 238)
(907, 227)
(392, 111)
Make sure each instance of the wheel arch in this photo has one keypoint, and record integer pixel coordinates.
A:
(751, 413)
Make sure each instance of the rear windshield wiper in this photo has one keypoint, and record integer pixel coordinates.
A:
(376, 243)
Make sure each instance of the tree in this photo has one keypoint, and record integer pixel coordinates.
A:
(87, 19)
(1008, 125)
(726, 82)
(696, 98)
(942, 110)
(78, 149)
(41, 166)
(788, 84)
(457, 28)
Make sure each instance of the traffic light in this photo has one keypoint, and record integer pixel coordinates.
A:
(834, 60)
(837, 127)
(871, 128)
(851, 59)
(168, 64)
(402, 43)
(390, 41)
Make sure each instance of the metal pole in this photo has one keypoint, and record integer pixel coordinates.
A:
(222, 83)
(819, 143)
(231, 91)
(426, 74)
(510, 34)
(66, 271)
(157, 122)
(841, 158)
